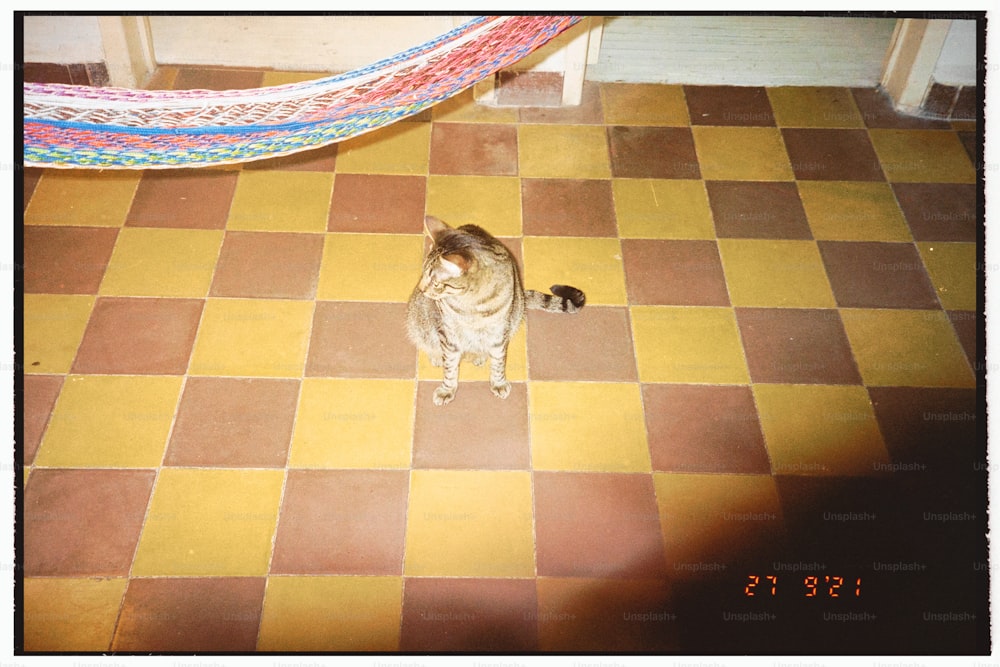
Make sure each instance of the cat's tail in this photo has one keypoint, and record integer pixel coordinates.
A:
(564, 299)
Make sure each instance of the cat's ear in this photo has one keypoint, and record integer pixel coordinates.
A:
(455, 264)
(435, 227)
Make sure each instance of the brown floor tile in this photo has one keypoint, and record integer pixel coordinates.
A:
(967, 104)
(199, 78)
(469, 615)
(578, 615)
(196, 199)
(966, 323)
(757, 210)
(47, 73)
(878, 527)
(273, 265)
(729, 105)
(83, 522)
(877, 275)
(972, 144)
(832, 155)
(30, 176)
(939, 211)
(317, 159)
(66, 260)
(499, 441)
(704, 428)
(594, 344)
(476, 149)
(877, 110)
(927, 430)
(136, 336)
(529, 89)
(567, 207)
(886, 521)
(40, 392)
(375, 203)
(233, 422)
(342, 522)
(597, 525)
(652, 152)
(360, 340)
(939, 100)
(190, 615)
(674, 273)
(796, 346)
(588, 112)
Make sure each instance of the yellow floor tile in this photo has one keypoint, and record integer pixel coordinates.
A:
(163, 78)
(717, 518)
(644, 104)
(210, 523)
(53, 328)
(344, 423)
(110, 421)
(331, 614)
(922, 156)
(252, 337)
(952, 268)
(775, 273)
(463, 108)
(820, 430)
(82, 198)
(281, 201)
(71, 615)
(742, 154)
(162, 262)
(492, 202)
(517, 364)
(853, 211)
(593, 265)
(370, 267)
(401, 148)
(699, 345)
(563, 151)
(912, 348)
(662, 209)
(470, 524)
(587, 426)
(811, 106)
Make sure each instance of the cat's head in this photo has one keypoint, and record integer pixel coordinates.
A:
(449, 261)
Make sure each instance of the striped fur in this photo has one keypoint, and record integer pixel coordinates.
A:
(470, 301)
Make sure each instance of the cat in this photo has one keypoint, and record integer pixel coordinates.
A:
(470, 301)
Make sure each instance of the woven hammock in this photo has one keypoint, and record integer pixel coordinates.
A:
(119, 128)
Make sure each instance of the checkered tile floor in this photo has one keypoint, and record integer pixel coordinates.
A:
(230, 446)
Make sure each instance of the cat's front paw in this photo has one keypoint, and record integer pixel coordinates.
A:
(501, 390)
(443, 395)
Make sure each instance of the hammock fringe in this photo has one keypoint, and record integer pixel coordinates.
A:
(118, 128)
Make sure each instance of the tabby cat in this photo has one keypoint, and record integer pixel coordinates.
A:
(469, 302)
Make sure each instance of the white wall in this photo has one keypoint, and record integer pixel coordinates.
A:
(66, 40)
(957, 64)
(743, 50)
(305, 43)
